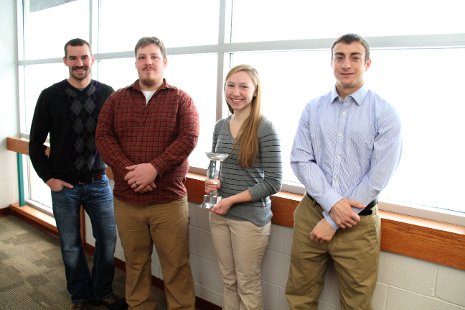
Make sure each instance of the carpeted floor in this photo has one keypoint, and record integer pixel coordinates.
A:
(32, 272)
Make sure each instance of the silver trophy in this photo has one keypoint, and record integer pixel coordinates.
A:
(213, 173)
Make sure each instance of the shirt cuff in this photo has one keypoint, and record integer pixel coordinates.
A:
(330, 220)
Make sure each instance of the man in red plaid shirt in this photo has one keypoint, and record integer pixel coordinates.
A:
(145, 133)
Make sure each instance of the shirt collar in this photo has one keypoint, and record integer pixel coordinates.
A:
(164, 85)
(358, 96)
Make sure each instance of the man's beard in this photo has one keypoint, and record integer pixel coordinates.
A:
(148, 82)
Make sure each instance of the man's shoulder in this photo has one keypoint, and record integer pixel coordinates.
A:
(378, 100)
(123, 91)
(174, 90)
(56, 86)
(102, 86)
(382, 107)
(182, 94)
(320, 100)
(51, 93)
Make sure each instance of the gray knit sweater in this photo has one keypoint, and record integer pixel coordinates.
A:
(262, 180)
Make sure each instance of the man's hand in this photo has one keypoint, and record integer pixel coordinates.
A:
(57, 185)
(141, 177)
(343, 215)
(322, 232)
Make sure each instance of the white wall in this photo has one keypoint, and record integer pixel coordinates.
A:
(8, 102)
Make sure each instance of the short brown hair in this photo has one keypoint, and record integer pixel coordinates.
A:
(144, 41)
(77, 42)
(352, 37)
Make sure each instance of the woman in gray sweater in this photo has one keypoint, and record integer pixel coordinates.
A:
(241, 222)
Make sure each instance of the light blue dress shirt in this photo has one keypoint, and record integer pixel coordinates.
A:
(346, 148)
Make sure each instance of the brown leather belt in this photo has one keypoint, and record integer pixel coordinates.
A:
(90, 179)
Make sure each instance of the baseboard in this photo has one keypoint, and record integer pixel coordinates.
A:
(46, 223)
(35, 217)
(4, 211)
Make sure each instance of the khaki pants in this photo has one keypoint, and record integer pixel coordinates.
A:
(239, 247)
(354, 252)
(166, 226)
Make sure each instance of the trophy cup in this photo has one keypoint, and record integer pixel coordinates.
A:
(213, 173)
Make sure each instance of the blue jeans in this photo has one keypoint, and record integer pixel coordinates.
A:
(97, 200)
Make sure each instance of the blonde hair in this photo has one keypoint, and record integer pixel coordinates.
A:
(247, 139)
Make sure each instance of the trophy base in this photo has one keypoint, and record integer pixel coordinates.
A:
(209, 201)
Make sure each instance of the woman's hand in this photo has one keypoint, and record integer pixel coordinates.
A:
(223, 206)
(211, 185)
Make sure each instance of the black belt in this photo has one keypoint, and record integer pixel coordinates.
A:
(366, 211)
(90, 179)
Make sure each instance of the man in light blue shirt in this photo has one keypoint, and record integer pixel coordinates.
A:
(345, 151)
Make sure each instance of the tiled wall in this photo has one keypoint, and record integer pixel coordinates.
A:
(403, 283)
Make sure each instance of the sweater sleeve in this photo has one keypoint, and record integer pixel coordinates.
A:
(38, 135)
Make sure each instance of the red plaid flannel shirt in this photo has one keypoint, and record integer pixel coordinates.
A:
(163, 132)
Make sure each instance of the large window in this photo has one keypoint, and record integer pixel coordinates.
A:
(271, 20)
(176, 22)
(47, 26)
(416, 65)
